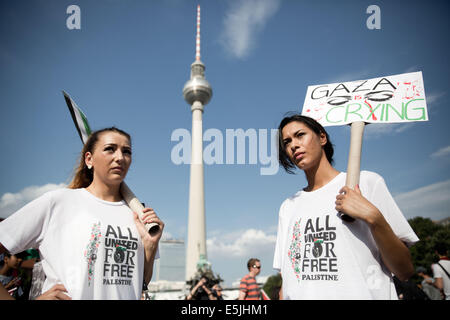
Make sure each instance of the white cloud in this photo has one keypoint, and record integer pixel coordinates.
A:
(433, 97)
(430, 201)
(350, 76)
(11, 202)
(442, 152)
(243, 21)
(376, 130)
(412, 69)
(246, 243)
(229, 252)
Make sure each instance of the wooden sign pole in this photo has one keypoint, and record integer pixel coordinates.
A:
(354, 160)
(135, 205)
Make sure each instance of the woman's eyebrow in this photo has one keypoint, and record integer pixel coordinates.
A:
(115, 145)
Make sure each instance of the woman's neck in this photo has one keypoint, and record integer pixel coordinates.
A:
(105, 192)
(320, 175)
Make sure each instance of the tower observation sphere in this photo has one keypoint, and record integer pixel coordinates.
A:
(197, 88)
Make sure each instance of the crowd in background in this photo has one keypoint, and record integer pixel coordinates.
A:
(22, 275)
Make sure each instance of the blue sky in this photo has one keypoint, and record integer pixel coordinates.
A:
(128, 63)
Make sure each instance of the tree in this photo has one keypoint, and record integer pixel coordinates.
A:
(272, 286)
(429, 233)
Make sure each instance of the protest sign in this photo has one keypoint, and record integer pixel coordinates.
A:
(389, 99)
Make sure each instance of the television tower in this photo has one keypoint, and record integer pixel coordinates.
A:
(197, 92)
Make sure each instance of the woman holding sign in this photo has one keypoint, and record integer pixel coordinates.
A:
(320, 256)
(91, 243)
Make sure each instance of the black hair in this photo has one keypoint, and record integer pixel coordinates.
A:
(441, 248)
(312, 124)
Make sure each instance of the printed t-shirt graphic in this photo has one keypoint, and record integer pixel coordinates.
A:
(312, 250)
(91, 250)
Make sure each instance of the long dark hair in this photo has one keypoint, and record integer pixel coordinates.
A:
(312, 124)
(83, 176)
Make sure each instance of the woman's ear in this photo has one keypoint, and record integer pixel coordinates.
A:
(323, 139)
(88, 160)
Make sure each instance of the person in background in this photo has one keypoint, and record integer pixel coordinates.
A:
(441, 270)
(201, 291)
(248, 288)
(37, 280)
(9, 275)
(427, 284)
(217, 292)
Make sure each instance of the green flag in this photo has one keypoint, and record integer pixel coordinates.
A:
(79, 118)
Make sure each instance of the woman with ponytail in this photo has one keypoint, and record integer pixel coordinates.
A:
(92, 245)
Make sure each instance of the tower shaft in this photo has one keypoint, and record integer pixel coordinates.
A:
(196, 243)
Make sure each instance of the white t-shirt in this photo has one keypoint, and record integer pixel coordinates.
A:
(439, 273)
(322, 257)
(89, 245)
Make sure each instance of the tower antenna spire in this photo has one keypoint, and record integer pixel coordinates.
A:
(197, 40)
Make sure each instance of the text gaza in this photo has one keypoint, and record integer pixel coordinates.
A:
(381, 95)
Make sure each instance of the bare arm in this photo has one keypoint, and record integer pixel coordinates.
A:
(195, 288)
(209, 293)
(438, 283)
(4, 295)
(394, 252)
(150, 241)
